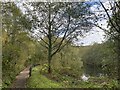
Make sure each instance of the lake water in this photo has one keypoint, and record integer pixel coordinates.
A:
(93, 70)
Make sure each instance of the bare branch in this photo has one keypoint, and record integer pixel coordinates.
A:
(105, 30)
(55, 39)
(43, 32)
(43, 45)
(59, 44)
(99, 27)
(42, 39)
(72, 31)
(54, 16)
(57, 34)
(62, 46)
(109, 17)
(118, 5)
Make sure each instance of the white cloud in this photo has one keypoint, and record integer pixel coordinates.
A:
(96, 35)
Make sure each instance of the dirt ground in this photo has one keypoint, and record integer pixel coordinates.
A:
(20, 81)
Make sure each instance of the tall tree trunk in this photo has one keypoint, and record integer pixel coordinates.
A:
(50, 42)
(118, 73)
(118, 78)
(49, 58)
(49, 64)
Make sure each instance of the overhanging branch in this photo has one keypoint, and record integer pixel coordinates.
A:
(109, 17)
(42, 39)
(59, 45)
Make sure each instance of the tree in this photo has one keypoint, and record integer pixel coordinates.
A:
(100, 58)
(114, 23)
(15, 39)
(13, 22)
(114, 30)
(57, 24)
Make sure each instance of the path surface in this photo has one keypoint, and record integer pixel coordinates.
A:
(21, 79)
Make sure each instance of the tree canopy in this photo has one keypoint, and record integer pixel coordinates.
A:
(63, 20)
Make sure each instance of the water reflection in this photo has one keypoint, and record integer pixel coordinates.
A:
(93, 70)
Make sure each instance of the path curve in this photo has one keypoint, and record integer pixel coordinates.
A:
(20, 81)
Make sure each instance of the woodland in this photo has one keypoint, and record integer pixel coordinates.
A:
(41, 35)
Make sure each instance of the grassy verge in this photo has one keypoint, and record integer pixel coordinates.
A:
(40, 79)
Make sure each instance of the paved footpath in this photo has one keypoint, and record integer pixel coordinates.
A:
(20, 81)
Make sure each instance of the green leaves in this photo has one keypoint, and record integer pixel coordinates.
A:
(16, 41)
(101, 59)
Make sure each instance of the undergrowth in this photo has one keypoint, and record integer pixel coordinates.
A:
(41, 79)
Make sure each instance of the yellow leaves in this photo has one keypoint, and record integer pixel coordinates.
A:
(44, 68)
(66, 81)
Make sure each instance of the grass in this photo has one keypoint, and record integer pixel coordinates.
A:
(40, 79)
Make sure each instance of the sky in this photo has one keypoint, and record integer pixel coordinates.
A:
(96, 35)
